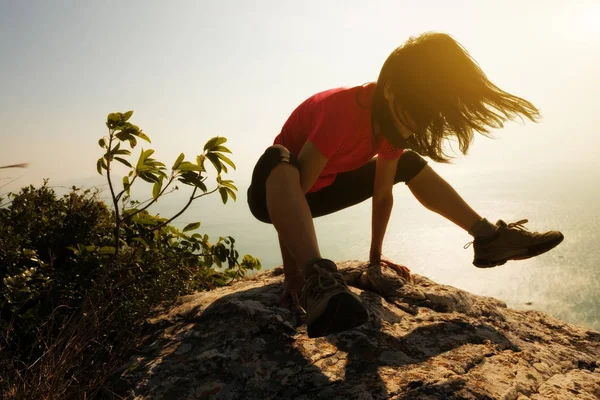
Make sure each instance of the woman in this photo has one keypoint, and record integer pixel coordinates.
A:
(343, 146)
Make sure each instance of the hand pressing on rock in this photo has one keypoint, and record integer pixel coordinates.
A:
(386, 284)
(292, 289)
(401, 270)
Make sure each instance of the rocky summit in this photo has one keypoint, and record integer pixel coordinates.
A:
(423, 341)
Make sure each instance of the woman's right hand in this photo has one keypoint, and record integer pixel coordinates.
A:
(292, 289)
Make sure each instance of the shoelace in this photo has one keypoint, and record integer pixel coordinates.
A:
(518, 225)
(513, 225)
(319, 288)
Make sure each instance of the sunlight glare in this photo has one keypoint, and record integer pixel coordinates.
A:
(587, 22)
(591, 21)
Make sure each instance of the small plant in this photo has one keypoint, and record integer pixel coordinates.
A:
(122, 134)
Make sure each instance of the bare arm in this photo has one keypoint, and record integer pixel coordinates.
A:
(383, 200)
(312, 162)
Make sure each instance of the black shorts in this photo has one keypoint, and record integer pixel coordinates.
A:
(348, 188)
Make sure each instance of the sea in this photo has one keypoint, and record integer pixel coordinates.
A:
(564, 282)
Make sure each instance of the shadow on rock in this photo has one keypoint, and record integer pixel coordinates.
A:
(380, 343)
(238, 343)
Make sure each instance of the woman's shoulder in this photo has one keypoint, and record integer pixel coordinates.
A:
(345, 96)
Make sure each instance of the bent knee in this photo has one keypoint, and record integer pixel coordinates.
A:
(278, 155)
(284, 153)
(409, 166)
(271, 160)
(274, 156)
(282, 149)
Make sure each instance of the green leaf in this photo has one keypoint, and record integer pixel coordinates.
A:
(102, 143)
(129, 128)
(145, 221)
(216, 141)
(124, 152)
(155, 164)
(185, 181)
(178, 161)
(123, 136)
(200, 161)
(225, 159)
(113, 118)
(140, 240)
(228, 184)
(221, 149)
(142, 135)
(156, 189)
(123, 161)
(132, 142)
(191, 227)
(107, 250)
(101, 164)
(143, 168)
(188, 166)
(231, 193)
(143, 157)
(126, 184)
(147, 153)
(126, 116)
(189, 178)
(201, 186)
(223, 193)
(215, 161)
(29, 253)
(148, 177)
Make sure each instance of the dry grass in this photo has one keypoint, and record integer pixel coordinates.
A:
(77, 359)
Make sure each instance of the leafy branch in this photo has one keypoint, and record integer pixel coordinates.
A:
(122, 134)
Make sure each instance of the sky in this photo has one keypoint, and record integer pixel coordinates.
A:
(195, 69)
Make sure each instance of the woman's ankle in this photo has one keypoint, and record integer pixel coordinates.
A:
(309, 268)
(483, 229)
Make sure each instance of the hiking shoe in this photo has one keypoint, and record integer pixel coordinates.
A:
(512, 242)
(330, 306)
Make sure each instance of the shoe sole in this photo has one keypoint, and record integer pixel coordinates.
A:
(343, 312)
(531, 252)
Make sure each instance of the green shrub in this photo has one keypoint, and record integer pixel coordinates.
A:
(38, 271)
(79, 280)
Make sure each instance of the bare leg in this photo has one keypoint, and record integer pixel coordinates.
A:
(291, 215)
(330, 306)
(294, 279)
(290, 266)
(437, 195)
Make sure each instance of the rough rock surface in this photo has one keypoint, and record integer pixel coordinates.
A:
(423, 341)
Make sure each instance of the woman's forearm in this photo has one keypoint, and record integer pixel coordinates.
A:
(382, 209)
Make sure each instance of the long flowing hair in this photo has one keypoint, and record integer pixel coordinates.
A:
(445, 92)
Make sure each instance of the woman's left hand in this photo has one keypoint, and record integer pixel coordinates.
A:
(401, 270)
